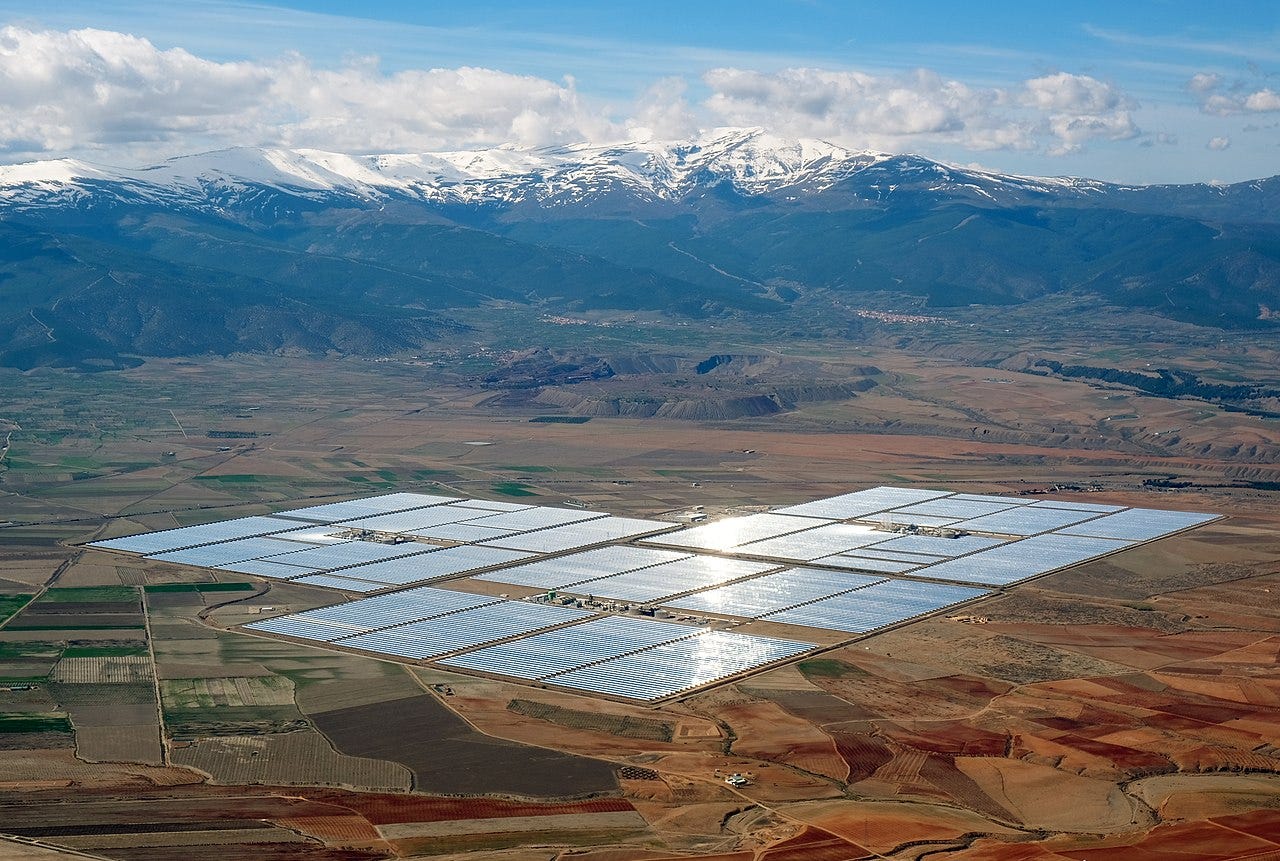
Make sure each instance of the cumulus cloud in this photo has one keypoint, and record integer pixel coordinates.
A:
(1080, 108)
(1059, 112)
(860, 107)
(1204, 82)
(1262, 100)
(86, 89)
(663, 113)
(1224, 99)
(1218, 144)
(96, 92)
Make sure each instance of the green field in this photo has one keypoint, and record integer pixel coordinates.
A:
(82, 627)
(107, 650)
(11, 604)
(90, 593)
(22, 722)
(198, 587)
(828, 668)
(513, 488)
(33, 649)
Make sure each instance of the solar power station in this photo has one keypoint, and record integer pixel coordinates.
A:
(639, 609)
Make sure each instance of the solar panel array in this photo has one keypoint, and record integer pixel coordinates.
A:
(393, 608)
(736, 531)
(419, 623)
(888, 602)
(861, 503)
(1140, 524)
(649, 585)
(582, 534)
(864, 563)
(829, 564)
(552, 652)
(325, 545)
(437, 564)
(192, 536)
(418, 522)
(633, 658)
(213, 555)
(268, 568)
(333, 581)
(680, 665)
(1026, 520)
(388, 502)
(772, 592)
(813, 543)
(944, 547)
(581, 567)
(464, 629)
(1019, 560)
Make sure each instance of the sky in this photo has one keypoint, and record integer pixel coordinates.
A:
(1138, 92)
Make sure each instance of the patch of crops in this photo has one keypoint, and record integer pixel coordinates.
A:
(619, 725)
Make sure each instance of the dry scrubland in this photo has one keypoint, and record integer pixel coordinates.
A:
(1125, 709)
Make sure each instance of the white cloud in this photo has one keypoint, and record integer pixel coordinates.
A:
(1262, 100)
(1218, 144)
(94, 89)
(1204, 82)
(1074, 94)
(1239, 98)
(1080, 108)
(663, 113)
(868, 110)
(119, 97)
(1057, 113)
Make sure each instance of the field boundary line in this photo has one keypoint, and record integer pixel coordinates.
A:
(155, 677)
(52, 847)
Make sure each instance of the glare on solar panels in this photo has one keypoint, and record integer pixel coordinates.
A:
(734, 531)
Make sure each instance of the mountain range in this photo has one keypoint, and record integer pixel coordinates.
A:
(266, 250)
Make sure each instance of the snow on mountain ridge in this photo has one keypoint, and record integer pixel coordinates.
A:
(751, 161)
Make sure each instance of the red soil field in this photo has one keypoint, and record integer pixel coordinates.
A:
(1125, 758)
(385, 809)
(244, 852)
(1259, 823)
(953, 737)
(814, 845)
(1191, 841)
(941, 771)
(335, 829)
(863, 753)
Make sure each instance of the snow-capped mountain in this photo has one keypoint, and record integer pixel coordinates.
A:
(751, 162)
(261, 250)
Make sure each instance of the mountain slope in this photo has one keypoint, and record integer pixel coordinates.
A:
(282, 250)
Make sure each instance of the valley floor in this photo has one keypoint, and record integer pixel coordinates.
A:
(1127, 708)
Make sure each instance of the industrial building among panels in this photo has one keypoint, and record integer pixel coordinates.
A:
(643, 609)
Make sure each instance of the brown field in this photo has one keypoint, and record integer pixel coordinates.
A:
(393, 682)
(1129, 708)
(119, 743)
(42, 768)
(446, 755)
(294, 758)
(104, 670)
(228, 691)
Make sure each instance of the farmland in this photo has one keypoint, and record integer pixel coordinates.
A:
(1123, 706)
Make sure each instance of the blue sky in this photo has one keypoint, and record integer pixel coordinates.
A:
(1136, 92)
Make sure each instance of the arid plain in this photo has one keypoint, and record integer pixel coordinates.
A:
(1124, 709)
